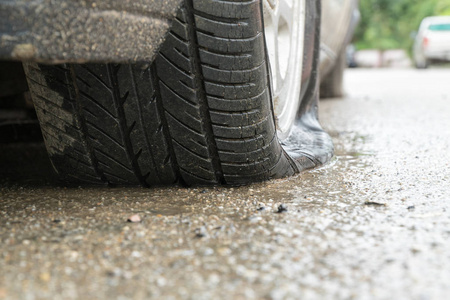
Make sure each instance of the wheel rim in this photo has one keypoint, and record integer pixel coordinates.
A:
(284, 26)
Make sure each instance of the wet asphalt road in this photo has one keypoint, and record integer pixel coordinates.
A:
(374, 223)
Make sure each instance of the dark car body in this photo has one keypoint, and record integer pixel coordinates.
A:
(124, 31)
(84, 31)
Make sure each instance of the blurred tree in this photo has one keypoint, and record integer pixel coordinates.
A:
(387, 24)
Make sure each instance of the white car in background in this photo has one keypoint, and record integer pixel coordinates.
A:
(432, 42)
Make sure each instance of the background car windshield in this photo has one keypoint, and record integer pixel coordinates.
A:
(439, 27)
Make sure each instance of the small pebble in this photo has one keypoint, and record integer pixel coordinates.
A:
(282, 208)
(373, 203)
(134, 219)
(200, 232)
(44, 277)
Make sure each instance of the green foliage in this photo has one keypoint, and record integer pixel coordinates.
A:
(388, 24)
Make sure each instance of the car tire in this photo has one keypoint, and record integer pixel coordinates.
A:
(201, 113)
(332, 84)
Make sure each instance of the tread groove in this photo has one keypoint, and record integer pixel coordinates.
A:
(83, 126)
(141, 118)
(203, 102)
(100, 130)
(119, 101)
(94, 75)
(114, 159)
(190, 151)
(177, 94)
(165, 127)
(104, 109)
(194, 175)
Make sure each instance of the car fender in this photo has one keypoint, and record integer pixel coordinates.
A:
(84, 31)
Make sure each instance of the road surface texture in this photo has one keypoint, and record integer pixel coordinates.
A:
(374, 223)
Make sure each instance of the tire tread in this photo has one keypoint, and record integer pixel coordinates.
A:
(201, 113)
